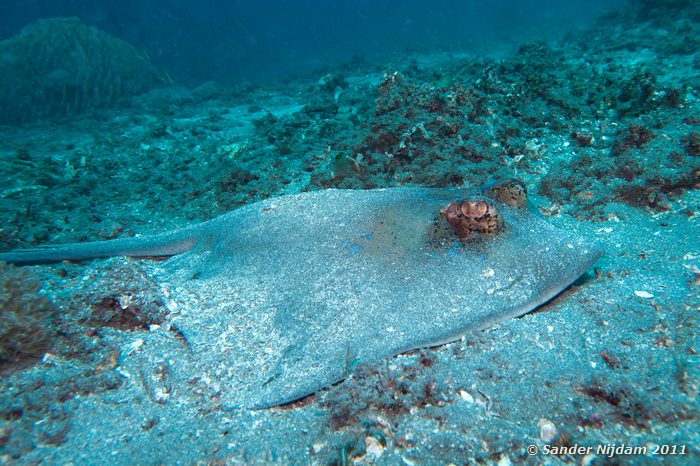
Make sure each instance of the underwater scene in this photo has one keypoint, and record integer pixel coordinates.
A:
(349, 232)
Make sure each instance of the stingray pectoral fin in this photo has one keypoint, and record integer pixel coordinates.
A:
(168, 244)
(583, 260)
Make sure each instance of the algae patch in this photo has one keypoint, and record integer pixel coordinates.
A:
(26, 317)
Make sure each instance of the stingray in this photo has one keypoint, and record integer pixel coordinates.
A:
(287, 295)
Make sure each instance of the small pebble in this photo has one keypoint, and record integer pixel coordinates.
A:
(125, 301)
(373, 447)
(548, 431)
(466, 396)
(135, 345)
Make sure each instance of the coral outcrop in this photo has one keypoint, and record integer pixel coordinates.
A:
(61, 66)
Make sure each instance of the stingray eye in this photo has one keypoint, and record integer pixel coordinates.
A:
(451, 213)
(474, 209)
(473, 219)
(511, 192)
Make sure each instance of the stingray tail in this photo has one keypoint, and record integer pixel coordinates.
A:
(167, 244)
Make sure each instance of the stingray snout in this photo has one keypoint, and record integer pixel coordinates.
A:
(473, 218)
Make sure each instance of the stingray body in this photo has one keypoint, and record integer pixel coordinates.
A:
(296, 290)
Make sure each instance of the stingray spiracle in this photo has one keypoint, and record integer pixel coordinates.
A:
(511, 191)
(473, 218)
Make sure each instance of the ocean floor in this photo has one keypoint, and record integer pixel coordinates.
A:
(604, 128)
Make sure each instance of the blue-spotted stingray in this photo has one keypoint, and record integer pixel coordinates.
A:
(284, 297)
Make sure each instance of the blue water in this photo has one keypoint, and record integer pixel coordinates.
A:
(230, 41)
